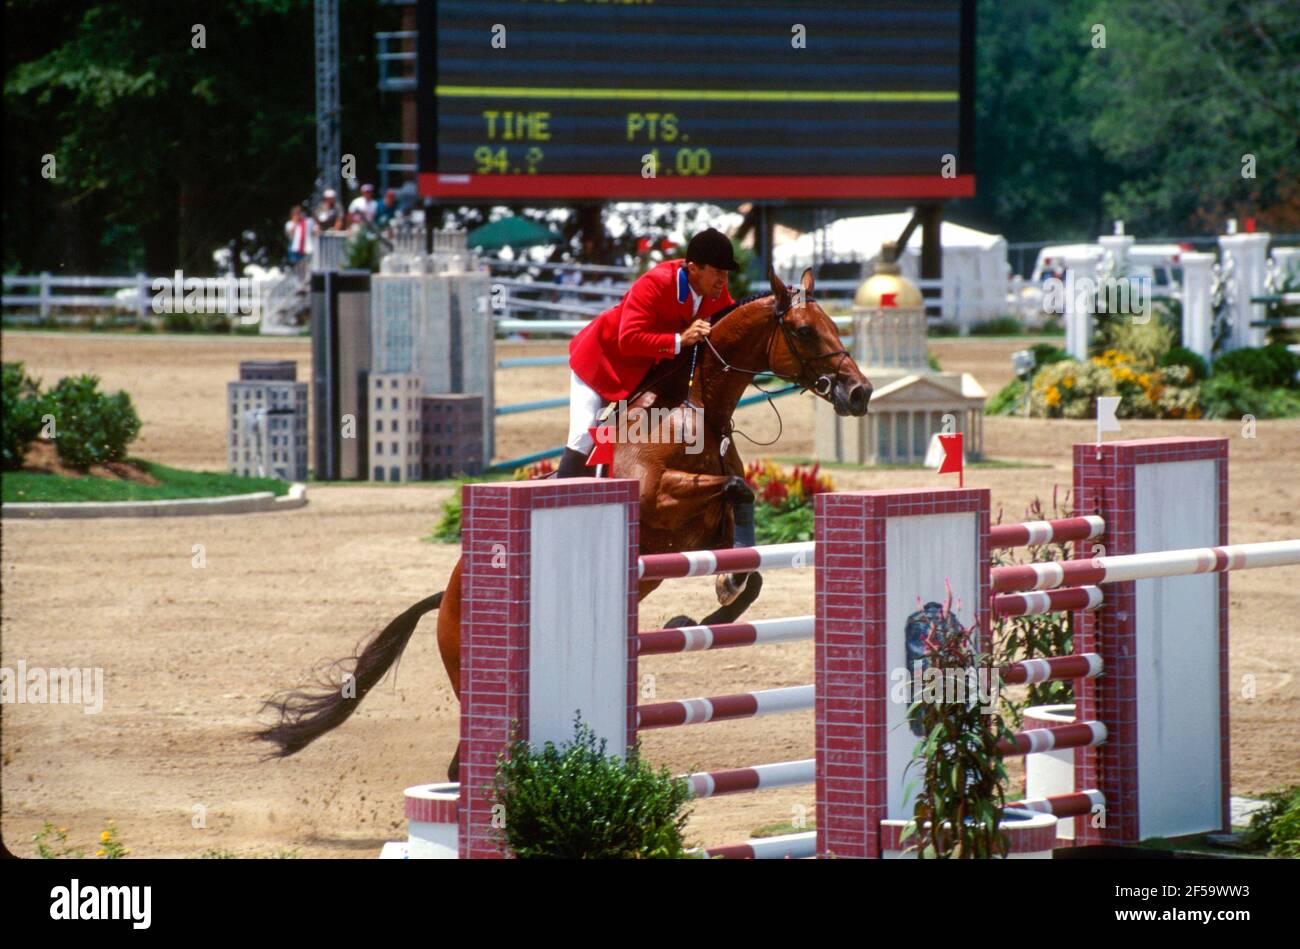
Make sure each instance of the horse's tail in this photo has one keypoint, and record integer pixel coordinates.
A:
(306, 714)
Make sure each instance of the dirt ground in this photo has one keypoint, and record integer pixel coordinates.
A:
(190, 646)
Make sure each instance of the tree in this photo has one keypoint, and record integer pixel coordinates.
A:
(1184, 91)
(174, 126)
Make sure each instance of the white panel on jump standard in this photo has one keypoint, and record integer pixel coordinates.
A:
(1178, 659)
(586, 668)
(924, 551)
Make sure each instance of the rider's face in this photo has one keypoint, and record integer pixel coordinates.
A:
(707, 281)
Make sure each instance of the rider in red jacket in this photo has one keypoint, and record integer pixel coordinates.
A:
(665, 311)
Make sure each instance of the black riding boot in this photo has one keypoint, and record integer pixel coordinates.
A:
(744, 536)
(731, 585)
(573, 465)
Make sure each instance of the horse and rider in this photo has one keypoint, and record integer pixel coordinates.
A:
(677, 346)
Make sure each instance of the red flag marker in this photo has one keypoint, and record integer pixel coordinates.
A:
(602, 453)
(889, 299)
(953, 457)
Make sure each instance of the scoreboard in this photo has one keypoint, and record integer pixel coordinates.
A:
(678, 99)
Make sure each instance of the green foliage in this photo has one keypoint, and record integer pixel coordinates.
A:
(30, 486)
(52, 843)
(1046, 353)
(1226, 396)
(196, 323)
(1277, 826)
(776, 525)
(576, 802)
(1238, 58)
(1146, 342)
(1009, 400)
(91, 427)
(1070, 389)
(363, 250)
(958, 810)
(166, 151)
(1001, 326)
(447, 530)
(783, 506)
(20, 415)
(1182, 356)
(1268, 367)
(943, 329)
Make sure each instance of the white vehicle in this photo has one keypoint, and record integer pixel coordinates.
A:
(1155, 262)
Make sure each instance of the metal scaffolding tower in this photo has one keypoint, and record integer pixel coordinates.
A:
(327, 96)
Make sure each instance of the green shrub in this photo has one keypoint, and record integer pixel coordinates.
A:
(363, 251)
(1069, 389)
(1277, 826)
(448, 529)
(21, 419)
(1001, 326)
(1182, 356)
(1009, 400)
(1145, 342)
(943, 329)
(576, 802)
(1269, 367)
(1046, 353)
(1228, 396)
(90, 427)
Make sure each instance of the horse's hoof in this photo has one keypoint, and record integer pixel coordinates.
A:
(729, 586)
(738, 491)
(677, 622)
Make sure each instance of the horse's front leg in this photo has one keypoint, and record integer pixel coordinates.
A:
(683, 497)
(679, 497)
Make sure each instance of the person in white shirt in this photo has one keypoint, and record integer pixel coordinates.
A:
(299, 229)
(365, 204)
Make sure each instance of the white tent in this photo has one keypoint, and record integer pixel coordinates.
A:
(975, 268)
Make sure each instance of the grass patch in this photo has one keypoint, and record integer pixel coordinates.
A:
(174, 483)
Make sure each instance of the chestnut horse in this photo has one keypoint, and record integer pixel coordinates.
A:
(690, 480)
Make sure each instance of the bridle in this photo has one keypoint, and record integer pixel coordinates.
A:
(822, 385)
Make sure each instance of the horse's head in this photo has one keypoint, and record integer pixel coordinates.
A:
(806, 349)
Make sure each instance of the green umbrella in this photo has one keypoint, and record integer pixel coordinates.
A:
(511, 232)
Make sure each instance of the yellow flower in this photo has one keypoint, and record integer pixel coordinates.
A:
(63, 830)
(1053, 396)
(1068, 382)
(100, 853)
(105, 837)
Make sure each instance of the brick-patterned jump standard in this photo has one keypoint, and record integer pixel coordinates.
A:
(859, 629)
(851, 558)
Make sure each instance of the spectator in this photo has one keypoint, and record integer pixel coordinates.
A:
(328, 217)
(365, 203)
(388, 212)
(300, 230)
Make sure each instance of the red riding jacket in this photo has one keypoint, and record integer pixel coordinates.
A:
(614, 351)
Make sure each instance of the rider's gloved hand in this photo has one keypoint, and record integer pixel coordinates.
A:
(696, 333)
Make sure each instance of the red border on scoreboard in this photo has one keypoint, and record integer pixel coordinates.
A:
(749, 187)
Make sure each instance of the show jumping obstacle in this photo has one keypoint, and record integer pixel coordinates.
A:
(1149, 752)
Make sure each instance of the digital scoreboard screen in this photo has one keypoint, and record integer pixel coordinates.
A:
(675, 99)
